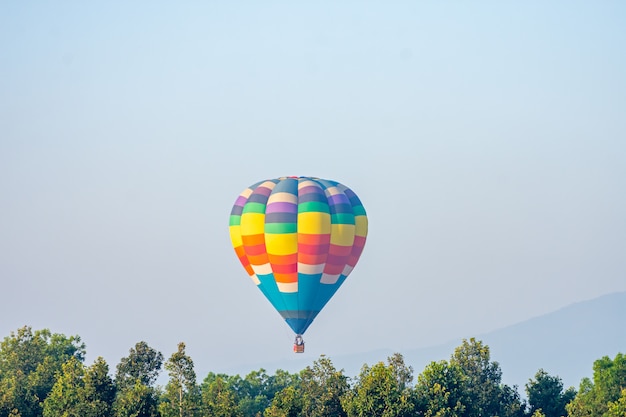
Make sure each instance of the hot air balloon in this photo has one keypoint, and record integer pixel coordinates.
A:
(298, 238)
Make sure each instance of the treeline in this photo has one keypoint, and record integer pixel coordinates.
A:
(44, 375)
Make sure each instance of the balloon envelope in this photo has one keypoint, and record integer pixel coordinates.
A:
(298, 238)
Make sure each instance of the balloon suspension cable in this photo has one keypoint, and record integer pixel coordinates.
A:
(298, 344)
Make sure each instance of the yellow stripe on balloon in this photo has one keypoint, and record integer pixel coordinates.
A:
(252, 223)
(342, 234)
(235, 235)
(314, 223)
(281, 243)
(361, 225)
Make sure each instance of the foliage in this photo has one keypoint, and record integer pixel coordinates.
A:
(481, 378)
(617, 408)
(322, 387)
(440, 390)
(43, 375)
(316, 393)
(136, 374)
(138, 400)
(546, 393)
(467, 385)
(218, 399)
(65, 397)
(29, 363)
(511, 405)
(81, 392)
(485, 395)
(182, 396)
(99, 390)
(604, 394)
(382, 390)
(142, 365)
(254, 393)
(286, 403)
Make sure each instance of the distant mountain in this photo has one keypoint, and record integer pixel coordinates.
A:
(565, 343)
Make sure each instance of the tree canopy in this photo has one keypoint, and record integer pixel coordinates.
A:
(43, 374)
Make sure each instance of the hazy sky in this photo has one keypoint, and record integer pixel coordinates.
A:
(487, 141)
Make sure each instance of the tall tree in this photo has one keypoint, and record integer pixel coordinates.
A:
(29, 362)
(482, 377)
(138, 400)
(99, 391)
(286, 403)
(546, 393)
(382, 391)
(585, 403)
(255, 392)
(617, 408)
(181, 397)
(252, 393)
(595, 398)
(65, 397)
(485, 394)
(511, 404)
(135, 377)
(80, 391)
(143, 364)
(218, 399)
(440, 390)
(321, 389)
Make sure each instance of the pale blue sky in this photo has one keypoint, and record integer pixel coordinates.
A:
(487, 141)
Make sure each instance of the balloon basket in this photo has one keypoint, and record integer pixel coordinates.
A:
(298, 344)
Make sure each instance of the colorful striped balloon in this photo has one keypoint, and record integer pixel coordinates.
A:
(298, 238)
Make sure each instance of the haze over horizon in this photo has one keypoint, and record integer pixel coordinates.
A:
(485, 140)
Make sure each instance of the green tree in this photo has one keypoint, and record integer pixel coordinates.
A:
(585, 401)
(29, 363)
(98, 394)
(595, 398)
(546, 393)
(80, 391)
(511, 404)
(15, 396)
(181, 397)
(218, 399)
(618, 408)
(286, 403)
(138, 400)
(254, 393)
(321, 389)
(134, 379)
(143, 364)
(482, 378)
(382, 391)
(440, 390)
(485, 394)
(65, 397)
